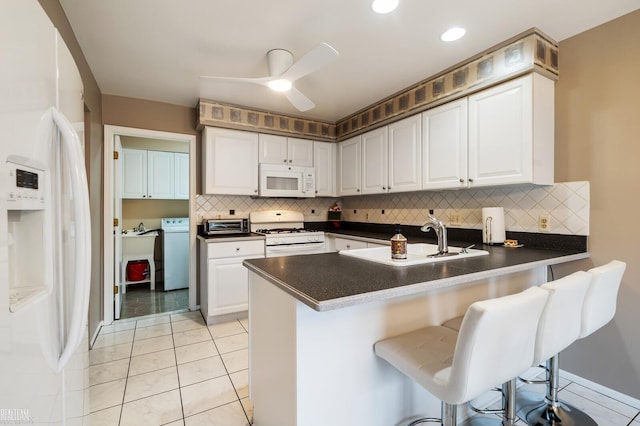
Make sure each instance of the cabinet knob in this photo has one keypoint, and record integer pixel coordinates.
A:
(316, 191)
(470, 180)
(358, 190)
(285, 160)
(255, 191)
(290, 161)
(389, 188)
(461, 180)
(384, 187)
(144, 196)
(237, 249)
(149, 196)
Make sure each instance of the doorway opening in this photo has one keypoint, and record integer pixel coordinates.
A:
(149, 177)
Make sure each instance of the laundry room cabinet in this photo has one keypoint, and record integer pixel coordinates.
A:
(148, 174)
(224, 282)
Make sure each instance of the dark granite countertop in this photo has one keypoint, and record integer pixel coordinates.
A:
(332, 281)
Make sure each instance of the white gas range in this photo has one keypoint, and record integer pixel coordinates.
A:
(285, 234)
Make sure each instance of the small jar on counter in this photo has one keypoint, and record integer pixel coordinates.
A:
(398, 245)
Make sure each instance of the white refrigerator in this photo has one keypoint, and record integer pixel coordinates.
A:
(44, 224)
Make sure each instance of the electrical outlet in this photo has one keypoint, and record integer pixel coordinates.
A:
(366, 217)
(455, 219)
(544, 223)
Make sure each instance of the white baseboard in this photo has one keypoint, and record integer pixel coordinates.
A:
(635, 403)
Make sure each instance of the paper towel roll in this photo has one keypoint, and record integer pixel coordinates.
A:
(493, 231)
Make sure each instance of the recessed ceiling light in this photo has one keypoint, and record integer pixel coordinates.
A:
(281, 85)
(384, 6)
(453, 34)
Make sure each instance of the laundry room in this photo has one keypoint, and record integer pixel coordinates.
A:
(154, 195)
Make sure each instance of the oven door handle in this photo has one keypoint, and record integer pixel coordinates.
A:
(295, 247)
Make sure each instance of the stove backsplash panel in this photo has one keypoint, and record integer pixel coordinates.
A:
(566, 205)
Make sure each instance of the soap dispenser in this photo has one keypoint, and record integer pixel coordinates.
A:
(398, 245)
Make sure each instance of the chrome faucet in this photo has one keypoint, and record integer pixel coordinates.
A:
(141, 227)
(441, 232)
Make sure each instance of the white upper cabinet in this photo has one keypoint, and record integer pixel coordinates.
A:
(383, 160)
(283, 150)
(147, 174)
(405, 162)
(324, 162)
(230, 162)
(349, 166)
(160, 174)
(134, 173)
(511, 134)
(375, 161)
(444, 146)
(181, 176)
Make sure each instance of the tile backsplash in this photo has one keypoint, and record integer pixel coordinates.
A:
(566, 205)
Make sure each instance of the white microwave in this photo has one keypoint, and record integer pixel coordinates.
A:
(279, 180)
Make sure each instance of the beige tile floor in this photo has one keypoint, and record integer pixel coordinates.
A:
(173, 369)
(170, 369)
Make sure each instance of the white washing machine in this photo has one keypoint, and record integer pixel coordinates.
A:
(176, 252)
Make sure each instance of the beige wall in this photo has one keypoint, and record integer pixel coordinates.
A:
(143, 114)
(597, 139)
(93, 156)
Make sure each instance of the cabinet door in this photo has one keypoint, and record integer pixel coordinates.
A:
(273, 149)
(375, 161)
(324, 160)
(230, 162)
(500, 134)
(160, 175)
(405, 162)
(300, 152)
(181, 168)
(228, 286)
(134, 173)
(349, 166)
(348, 244)
(444, 146)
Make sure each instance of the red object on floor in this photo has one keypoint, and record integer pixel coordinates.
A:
(137, 270)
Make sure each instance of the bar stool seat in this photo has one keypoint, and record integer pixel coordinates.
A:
(453, 366)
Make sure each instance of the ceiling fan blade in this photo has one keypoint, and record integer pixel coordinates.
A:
(257, 80)
(311, 61)
(298, 100)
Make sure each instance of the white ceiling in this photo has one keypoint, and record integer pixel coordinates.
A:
(157, 49)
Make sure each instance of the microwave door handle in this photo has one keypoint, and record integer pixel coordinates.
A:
(71, 147)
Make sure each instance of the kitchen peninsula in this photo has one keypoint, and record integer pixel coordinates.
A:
(314, 319)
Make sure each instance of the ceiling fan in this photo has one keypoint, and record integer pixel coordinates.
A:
(283, 71)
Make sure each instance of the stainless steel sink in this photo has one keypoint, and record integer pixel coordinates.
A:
(417, 254)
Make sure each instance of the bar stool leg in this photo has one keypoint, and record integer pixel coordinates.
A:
(551, 411)
(509, 403)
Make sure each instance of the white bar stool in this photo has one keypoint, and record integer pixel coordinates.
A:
(559, 327)
(453, 366)
(598, 308)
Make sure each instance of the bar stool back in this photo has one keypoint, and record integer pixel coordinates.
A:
(601, 298)
(454, 367)
(559, 327)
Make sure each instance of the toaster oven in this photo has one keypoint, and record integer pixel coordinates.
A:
(226, 226)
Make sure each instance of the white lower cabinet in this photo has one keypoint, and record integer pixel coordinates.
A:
(346, 243)
(224, 282)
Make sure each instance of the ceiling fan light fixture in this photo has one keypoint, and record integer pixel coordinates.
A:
(453, 34)
(280, 85)
(384, 6)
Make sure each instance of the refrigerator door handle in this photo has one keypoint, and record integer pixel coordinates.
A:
(71, 147)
